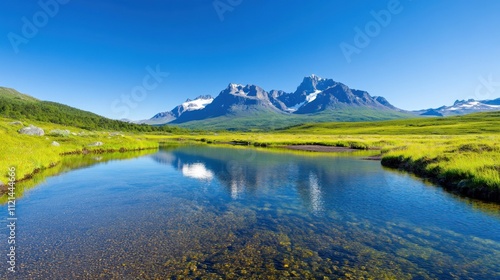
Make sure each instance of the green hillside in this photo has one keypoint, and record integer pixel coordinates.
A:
(14, 95)
(15, 105)
(478, 123)
(265, 120)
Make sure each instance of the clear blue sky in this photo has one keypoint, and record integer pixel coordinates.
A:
(88, 54)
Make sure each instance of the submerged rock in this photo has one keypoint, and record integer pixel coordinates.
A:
(32, 130)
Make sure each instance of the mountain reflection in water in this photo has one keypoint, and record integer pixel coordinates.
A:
(246, 171)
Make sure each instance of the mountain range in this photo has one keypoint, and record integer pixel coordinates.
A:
(248, 107)
(462, 107)
(315, 99)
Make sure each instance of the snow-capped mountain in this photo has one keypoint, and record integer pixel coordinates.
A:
(235, 100)
(462, 107)
(198, 103)
(314, 96)
(306, 92)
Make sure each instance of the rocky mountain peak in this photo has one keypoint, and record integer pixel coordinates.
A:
(314, 95)
(314, 83)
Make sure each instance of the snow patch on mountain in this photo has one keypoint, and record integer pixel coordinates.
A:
(471, 105)
(319, 79)
(296, 106)
(311, 96)
(197, 104)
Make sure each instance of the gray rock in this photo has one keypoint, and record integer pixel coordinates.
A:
(96, 144)
(55, 144)
(32, 130)
(16, 123)
(59, 132)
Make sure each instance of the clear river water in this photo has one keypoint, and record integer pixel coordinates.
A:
(201, 212)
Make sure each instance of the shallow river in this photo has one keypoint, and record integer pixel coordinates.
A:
(208, 212)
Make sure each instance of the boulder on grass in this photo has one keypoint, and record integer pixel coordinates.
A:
(96, 144)
(55, 144)
(59, 132)
(32, 130)
(3, 188)
(16, 123)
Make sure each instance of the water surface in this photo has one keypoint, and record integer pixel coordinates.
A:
(213, 212)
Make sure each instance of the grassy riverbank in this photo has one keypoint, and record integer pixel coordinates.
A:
(28, 154)
(460, 153)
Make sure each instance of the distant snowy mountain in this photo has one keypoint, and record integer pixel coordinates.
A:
(314, 96)
(198, 103)
(462, 107)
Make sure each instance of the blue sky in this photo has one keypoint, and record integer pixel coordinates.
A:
(92, 54)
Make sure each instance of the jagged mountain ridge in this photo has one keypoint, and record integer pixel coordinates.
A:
(314, 95)
(235, 99)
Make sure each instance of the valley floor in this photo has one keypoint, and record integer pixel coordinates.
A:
(451, 153)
